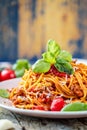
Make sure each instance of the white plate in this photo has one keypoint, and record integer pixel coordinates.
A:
(81, 60)
(6, 103)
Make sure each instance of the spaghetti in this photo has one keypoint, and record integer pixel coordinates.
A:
(38, 90)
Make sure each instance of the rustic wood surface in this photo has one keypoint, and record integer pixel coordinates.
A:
(34, 123)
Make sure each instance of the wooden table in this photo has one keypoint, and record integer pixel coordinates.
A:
(33, 123)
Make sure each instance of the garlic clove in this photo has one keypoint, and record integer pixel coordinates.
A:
(6, 124)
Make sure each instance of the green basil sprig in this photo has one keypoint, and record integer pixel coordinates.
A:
(54, 56)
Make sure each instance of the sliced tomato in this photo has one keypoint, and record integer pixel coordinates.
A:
(57, 104)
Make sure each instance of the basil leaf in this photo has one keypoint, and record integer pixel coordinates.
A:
(21, 63)
(63, 66)
(4, 93)
(53, 47)
(20, 66)
(65, 55)
(49, 57)
(19, 72)
(76, 106)
(41, 66)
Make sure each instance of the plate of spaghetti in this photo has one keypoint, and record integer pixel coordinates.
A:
(54, 87)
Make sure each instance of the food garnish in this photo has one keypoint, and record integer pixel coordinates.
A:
(76, 106)
(20, 66)
(4, 93)
(54, 56)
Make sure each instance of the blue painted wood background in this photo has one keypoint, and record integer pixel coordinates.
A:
(8, 30)
(11, 38)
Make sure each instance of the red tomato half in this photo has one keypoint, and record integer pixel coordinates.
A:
(57, 104)
(7, 74)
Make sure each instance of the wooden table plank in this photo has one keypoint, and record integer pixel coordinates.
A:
(34, 123)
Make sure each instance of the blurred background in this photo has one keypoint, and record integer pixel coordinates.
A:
(27, 25)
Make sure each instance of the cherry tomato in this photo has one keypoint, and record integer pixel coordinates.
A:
(57, 104)
(7, 74)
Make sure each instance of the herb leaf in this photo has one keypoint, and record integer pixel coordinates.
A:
(4, 93)
(63, 66)
(65, 55)
(49, 57)
(41, 66)
(53, 47)
(20, 66)
(76, 106)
